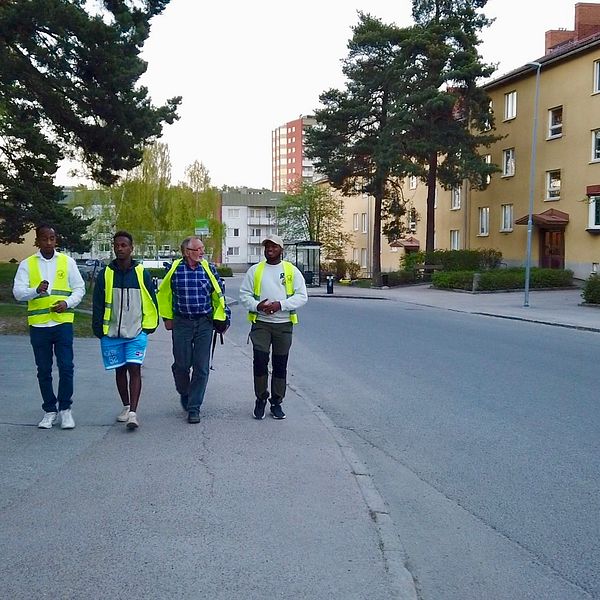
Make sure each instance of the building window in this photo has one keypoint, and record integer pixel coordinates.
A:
(355, 255)
(488, 161)
(552, 185)
(355, 221)
(412, 183)
(233, 213)
(104, 247)
(594, 218)
(596, 145)
(508, 162)
(233, 251)
(235, 232)
(363, 222)
(507, 217)
(484, 220)
(363, 258)
(455, 198)
(596, 76)
(255, 231)
(454, 239)
(555, 118)
(510, 105)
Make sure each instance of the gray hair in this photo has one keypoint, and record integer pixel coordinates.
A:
(187, 241)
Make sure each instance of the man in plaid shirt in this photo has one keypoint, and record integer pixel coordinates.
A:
(191, 301)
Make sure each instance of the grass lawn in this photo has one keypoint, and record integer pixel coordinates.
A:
(13, 315)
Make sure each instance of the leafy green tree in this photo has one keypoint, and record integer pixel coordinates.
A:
(312, 213)
(355, 143)
(449, 114)
(69, 89)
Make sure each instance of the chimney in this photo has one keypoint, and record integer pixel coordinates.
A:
(587, 22)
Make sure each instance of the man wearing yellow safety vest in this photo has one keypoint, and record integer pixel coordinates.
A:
(124, 313)
(191, 301)
(272, 290)
(52, 286)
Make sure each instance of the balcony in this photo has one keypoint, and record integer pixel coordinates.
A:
(262, 220)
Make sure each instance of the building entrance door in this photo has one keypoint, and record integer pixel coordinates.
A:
(552, 251)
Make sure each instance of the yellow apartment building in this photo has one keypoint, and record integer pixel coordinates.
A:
(565, 172)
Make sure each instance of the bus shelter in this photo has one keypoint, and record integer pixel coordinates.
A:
(306, 256)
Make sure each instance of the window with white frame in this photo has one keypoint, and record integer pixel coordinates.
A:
(510, 105)
(555, 122)
(363, 222)
(255, 231)
(412, 182)
(235, 232)
(233, 251)
(233, 213)
(594, 215)
(454, 239)
(596, 145)
(355, 255)
(488, 161)
(553, 185)
(507, 217)
(484, 220)
(355, 221)
(508, 162)
(363, 258)
(455, 198)
(104, 247)
(596, 76)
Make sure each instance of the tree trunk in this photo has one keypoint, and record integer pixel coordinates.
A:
(431, 186)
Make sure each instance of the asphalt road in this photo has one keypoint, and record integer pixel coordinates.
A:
(481, 435)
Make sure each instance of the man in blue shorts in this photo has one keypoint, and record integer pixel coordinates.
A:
(124, 313)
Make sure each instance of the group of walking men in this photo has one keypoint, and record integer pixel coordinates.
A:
(126, 309)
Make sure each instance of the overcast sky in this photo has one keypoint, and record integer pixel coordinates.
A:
(244, 68)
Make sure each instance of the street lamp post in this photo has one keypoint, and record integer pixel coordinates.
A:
(538, 67)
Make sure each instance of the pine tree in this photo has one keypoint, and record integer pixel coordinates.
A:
(69, 88)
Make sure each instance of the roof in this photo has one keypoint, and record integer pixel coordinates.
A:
(410, 243)
(549, 218)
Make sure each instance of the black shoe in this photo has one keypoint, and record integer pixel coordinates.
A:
(184, 401)
(277, 412)
(259, 409)
(194, 416)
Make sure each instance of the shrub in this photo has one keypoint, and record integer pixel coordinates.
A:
(503, 279)
(224, 271)
(455, 260)
(591, 290)
(353, 269)
(395, 278)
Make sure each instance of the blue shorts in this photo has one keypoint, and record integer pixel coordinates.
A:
(117, 352)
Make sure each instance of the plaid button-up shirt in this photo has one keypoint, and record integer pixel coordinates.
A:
(192, 289)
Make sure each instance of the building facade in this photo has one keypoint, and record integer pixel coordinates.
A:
(558, 171)
(289, 165)
(248, 215)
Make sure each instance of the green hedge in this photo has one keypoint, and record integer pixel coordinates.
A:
(224, 271)
(455, 260)
(503, 279)
(591, 290)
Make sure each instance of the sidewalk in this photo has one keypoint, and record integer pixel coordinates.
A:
(232, 508)
(561, 308)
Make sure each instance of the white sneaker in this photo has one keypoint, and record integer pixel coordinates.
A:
(66, 419)
(122, 417)
(48, 420)
(132, 422)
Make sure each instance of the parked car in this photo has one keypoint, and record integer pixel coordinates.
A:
(89, 267)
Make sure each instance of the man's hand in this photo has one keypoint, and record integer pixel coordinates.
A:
(43, 287)
(59, 306)
(269, 307)
(168, 324)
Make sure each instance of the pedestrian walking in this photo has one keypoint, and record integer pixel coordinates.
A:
(52, 286)
(191, 302)
(272, 291)
(124, 312)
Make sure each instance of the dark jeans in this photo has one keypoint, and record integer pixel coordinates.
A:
(191, 350)
(48, 342)
(265, 336)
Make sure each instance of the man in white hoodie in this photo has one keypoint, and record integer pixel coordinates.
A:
(272, 290)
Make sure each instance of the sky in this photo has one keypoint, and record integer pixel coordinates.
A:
(245, 68)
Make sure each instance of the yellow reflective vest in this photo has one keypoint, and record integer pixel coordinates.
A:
(149, 312)
(288, 272)
(165, 294)
(38, 309)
